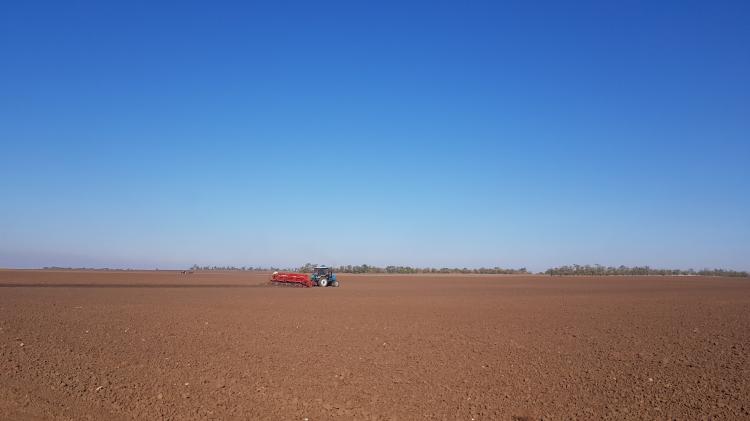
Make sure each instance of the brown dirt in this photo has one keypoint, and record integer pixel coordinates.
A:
(151, 345)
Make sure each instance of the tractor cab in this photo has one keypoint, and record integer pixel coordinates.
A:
(324, 276)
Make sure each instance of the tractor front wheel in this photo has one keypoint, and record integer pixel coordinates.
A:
(323, 282)
(335, 284)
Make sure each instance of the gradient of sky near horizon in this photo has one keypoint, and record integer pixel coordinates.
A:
(513, 134)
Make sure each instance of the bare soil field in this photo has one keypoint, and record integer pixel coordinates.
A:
(155, 345)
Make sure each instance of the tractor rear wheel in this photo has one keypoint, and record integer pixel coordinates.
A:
(335, 284)
(323, 282)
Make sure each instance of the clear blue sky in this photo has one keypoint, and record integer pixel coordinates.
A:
(421, 133)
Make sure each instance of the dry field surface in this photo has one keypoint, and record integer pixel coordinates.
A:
(155, 345)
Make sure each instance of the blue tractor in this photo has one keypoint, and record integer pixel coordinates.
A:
(323, 276)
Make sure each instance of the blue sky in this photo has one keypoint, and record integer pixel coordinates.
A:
(418, 133)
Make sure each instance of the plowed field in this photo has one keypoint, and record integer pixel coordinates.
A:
(153, 345)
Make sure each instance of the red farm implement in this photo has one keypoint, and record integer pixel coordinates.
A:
(294, 279)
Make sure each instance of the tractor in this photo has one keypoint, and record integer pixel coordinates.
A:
(324, 276)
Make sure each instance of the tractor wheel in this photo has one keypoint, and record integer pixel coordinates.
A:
(323, 282)
(335, 284)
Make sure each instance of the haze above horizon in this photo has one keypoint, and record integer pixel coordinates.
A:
(443, 134)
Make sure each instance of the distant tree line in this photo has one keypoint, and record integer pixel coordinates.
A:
(599, 270)
(82, 268)
(567, 270)
(308, 267)
(241, 268)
